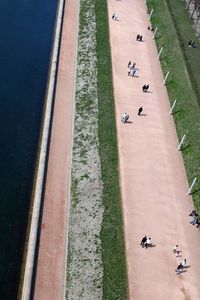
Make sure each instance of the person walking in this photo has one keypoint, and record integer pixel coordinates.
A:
(125, 118)
(129, 64)
(194, 221)
(138, 37)
(143, 241)
(193, 214)
(184, 263)
(179, 269)
(148, 243)
(140, 110)
(147, 87)
(144, 88)
(132, 72)
(175, 249)
(133, 66)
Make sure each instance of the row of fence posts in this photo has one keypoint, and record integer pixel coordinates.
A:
(174, 103)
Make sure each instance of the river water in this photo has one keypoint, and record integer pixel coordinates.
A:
(26, 35)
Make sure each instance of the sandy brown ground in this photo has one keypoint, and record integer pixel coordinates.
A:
(153, 179)
(50, 277)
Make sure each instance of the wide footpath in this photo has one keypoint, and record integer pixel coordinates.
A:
(51, 267)
(153, 179)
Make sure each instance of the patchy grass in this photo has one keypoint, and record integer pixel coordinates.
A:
(174, 31)
(85, 271)
(112, 237)
(74, 196)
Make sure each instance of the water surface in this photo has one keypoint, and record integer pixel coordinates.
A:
(26, 34)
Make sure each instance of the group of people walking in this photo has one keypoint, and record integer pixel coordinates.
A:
(195, 218)
(139, 37)
(183, 264)
(115, 17)
(131, 72)
(131, 69)
(146, 242)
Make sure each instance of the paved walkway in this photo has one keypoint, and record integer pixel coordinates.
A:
(50, 276)
(153, 179)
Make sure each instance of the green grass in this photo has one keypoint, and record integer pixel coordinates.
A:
(174, 32)
(112, 237)
(74, 197)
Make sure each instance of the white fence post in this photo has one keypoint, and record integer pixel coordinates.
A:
(166, 78)
(150, 14)
(159, 54)
(172, 107)
(179, 146)
(193, 183)
(154, 33)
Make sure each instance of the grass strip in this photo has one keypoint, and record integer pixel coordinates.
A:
(112, 237)
(174, 31)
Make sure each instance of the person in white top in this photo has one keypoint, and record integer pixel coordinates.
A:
(148, 242)
(184, 263)
(115, 17)
(175, 249)
(125, 118)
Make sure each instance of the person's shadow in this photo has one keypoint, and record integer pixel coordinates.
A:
(151, 246)
(181, 271)
(187, 267)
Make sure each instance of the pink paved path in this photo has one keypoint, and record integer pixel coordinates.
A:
(50, 277)
(153, 179)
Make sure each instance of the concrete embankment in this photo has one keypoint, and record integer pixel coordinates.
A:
(33, 235)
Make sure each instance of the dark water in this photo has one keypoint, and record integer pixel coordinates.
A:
(26, 34)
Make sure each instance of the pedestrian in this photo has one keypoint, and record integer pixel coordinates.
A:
(179, 268)
(143, 241)
(193, 214)
(132, 72)
(144, 88)
(184, 263)
(148, 243)
(140, 38)
(129, 64)
(125, 118)
(150, 28)
(147, 87)
(190, 43)
(115, 17)
(133, 66)
(175, 249)
(194, 221)
(193, 44)
(140, 110)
